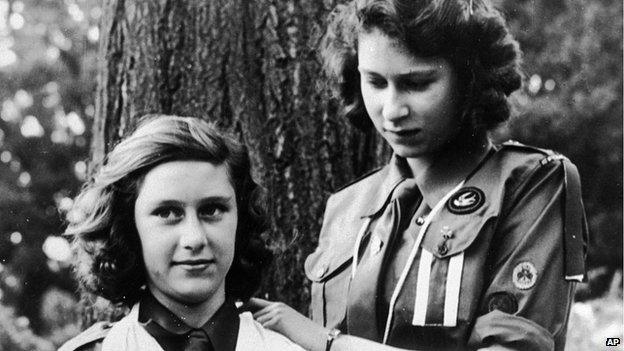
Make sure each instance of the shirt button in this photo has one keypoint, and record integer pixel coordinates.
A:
(442, 249)
(420, 221)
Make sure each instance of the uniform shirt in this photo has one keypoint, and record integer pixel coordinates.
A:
(488, 276)
(169, 331)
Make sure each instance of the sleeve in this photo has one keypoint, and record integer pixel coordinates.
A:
(537, 254)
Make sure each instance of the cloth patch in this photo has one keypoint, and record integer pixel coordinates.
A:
(466, 200)
(502, 301)
(524, 275)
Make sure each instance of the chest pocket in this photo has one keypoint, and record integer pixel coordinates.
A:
(446, 275)
(329, 270)
(450, 234)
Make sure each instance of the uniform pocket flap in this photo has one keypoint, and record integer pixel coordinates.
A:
(450, 233)
(323, 264)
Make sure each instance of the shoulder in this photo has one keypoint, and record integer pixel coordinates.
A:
(518, 163)
(351, 201)
(253, 336)
(518, 154)
(89, 339)
(368, 177)
(537, 176)
(516, 171)
(359, 188)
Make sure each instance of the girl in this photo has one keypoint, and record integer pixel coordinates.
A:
(170, 226)
(456, 243)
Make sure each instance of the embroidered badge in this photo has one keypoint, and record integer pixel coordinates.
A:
(502, 301)
(524, 275)
(466, 200)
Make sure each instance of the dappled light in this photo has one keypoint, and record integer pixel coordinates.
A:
(48, 51)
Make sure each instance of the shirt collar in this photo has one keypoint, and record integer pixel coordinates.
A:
(394, 172)
(397, 170)
(221, 328)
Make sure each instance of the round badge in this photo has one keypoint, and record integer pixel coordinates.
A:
(524, 275)
(466, 200)
(503, 301)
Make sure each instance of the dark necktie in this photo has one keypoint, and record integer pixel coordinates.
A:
(197, 340)
(404, 200)
(363, 317)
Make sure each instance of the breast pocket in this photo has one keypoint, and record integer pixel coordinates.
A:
(330, 276)
(449, 270)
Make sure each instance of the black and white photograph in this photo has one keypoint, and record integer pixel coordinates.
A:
(311, 175)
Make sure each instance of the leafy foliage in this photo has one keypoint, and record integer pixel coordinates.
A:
(47, 82)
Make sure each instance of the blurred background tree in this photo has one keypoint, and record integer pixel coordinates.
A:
(48, 51)
(571, 102)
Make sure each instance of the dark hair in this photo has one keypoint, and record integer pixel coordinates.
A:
(476, 42)
(108, 259)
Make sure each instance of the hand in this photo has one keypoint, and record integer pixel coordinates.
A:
(283, 319)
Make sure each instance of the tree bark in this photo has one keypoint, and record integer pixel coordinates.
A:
(253, 68)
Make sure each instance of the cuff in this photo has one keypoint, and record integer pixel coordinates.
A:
(501, 331)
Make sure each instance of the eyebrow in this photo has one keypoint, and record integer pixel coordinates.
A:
(418, 74)
(209, 199)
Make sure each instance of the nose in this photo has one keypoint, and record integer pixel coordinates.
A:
(394, 107)
(193, 236)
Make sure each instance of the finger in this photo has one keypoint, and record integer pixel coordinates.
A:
(261, 312)
(271, 324)
(266, 320)
(259, 303)
(254, 304)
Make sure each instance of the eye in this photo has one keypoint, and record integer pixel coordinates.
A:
(416, 84)
(377, 82)
(212, 212)
(169, 214)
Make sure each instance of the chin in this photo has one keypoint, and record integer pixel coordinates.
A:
(194, 295)
(407, 151)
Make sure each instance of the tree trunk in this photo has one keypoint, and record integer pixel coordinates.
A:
(252, 67)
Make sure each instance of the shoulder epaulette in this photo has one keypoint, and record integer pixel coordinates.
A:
(551, 155)
(519, 146)
(97, 331)
(365, 175)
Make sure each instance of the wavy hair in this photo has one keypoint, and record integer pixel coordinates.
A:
(108, 259)
(476, 42)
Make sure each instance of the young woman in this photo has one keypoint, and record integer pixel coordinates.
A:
(170, 226)
(456, 243)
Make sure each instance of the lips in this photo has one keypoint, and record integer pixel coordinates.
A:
(195, 264)
(402, 133)
(405, 132)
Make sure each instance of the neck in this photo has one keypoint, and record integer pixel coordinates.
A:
(194, 315)
(451, 164)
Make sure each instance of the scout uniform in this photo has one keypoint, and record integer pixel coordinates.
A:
(88, 340)
(493, 263)
(151, 326)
